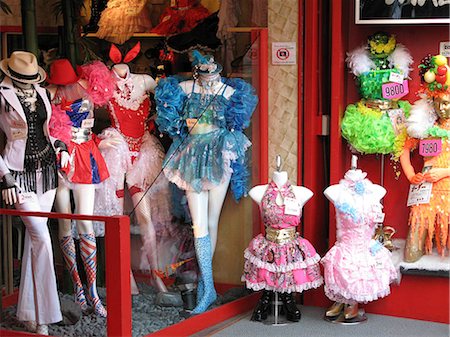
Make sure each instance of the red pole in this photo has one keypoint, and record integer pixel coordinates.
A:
(118, 288)
(264, 104)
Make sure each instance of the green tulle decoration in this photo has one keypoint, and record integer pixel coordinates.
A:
(369, 130)
(438, 132)
(370, 83)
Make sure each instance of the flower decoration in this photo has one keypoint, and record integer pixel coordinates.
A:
(381, 44)
(435, 75)
(359, 188)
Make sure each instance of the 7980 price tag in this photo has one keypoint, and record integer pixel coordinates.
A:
(430, 147)
(395, 90)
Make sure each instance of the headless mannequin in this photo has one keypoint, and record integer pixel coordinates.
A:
(302, 195)
(83, 195)
(415, 243)
(205, 206)
(141, 200)
(38, 303)
(332, 193)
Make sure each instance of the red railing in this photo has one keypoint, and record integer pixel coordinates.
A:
(117, 269)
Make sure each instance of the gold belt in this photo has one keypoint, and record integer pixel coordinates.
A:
(281, 235)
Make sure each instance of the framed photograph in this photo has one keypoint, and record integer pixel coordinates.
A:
(402, 11)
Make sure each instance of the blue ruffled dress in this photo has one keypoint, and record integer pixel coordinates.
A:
(202, 160)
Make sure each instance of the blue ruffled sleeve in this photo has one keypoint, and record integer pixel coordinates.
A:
(238, 115)
(170, 99)
(242, 104)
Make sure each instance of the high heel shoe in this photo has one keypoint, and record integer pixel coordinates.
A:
(351, 311)
(262, 308)
(293, 314)
(335, 310)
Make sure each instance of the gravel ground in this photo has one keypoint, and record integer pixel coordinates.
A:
(147, 317)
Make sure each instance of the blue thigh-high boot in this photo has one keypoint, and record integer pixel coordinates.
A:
(200, 289)
(204, 259)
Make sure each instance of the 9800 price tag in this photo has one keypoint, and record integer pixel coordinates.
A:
(395, 90)
(430, 147)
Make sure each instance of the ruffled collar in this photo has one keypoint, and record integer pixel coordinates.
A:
(355, 181)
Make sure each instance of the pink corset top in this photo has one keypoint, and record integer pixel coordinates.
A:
(273, 214)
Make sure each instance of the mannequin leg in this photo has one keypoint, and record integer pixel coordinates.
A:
(198, 205)
(148, 234)
(415, 243)
(67, 243)
(84, 202)
(215, 203)
(38, 295)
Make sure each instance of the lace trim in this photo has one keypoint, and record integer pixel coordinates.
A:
(290, 289)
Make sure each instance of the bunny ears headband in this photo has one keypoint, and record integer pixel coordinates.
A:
(116, 56)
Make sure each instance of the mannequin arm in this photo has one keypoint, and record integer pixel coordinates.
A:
(150, 83)
(436, 174)
(408, 169)
(257, 193)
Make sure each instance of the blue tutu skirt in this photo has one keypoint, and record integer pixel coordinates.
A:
(201, 162)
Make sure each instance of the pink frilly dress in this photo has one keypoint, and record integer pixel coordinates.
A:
(290, 266)
(357, 268)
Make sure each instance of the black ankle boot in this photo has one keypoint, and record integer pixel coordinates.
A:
(262, 308)
(293, 314)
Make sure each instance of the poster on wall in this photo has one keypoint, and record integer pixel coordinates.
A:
(402, 11)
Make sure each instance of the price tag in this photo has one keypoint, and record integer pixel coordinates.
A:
(18, 134)
(419, 194)
(20, 124)
(25, 197)
(87, 123)
(291, 206)
(395, 90)
(395, 77)
(379, 217)
(191, 122)
(430, 147)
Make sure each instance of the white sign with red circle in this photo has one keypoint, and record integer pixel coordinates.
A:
(284, 53)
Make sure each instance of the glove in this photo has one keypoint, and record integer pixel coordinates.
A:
(65, 156)
(9, 192)
(417, 178)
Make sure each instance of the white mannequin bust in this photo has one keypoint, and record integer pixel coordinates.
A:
(122, 71)
(334, 192)
(302, 194)
(217, 87)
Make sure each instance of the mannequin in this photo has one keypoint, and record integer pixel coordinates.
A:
(29, 181)
(429, 119)
(134, 158)
(208, 151)
(73, 108)
(280, 261)
(357, 268)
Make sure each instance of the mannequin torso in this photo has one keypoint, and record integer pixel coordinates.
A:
(302, 194)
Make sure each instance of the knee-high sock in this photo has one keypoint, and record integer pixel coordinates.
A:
(88, 247)
(204, 259)
(68, 249)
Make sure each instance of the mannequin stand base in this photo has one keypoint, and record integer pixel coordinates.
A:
(281, 321)
(361, 318)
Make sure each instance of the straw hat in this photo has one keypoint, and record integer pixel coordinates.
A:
(22, 66)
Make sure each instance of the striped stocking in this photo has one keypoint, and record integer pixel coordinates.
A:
(88, 248)
(68, 249)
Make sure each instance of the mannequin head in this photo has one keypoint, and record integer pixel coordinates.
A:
(442, 106)
(121, 69)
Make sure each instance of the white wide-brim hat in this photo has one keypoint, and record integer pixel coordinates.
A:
(22, 66)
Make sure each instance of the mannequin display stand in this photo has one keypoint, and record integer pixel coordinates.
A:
(276, 319)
